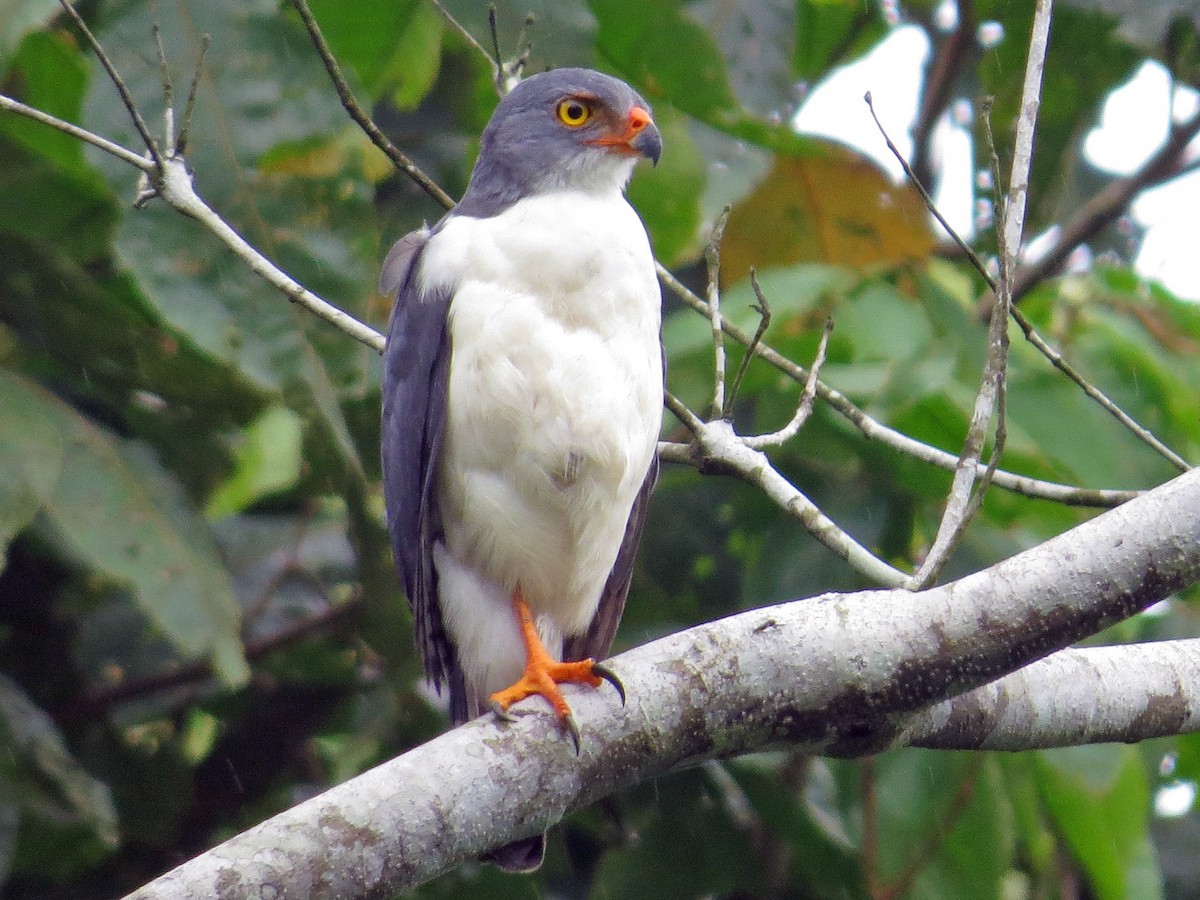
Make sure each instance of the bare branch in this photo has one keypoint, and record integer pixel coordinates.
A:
(1143, 434)
(471, 40)
(175, 186)
(838, 675)
(82, 134)
(193, 89)
(1126, 693)
(965, 496)
(877, 431)
(687, 418)
(804, 408)
(712, 258)
(717, 448)
(763, 308)
(119, 83)
(399, 159)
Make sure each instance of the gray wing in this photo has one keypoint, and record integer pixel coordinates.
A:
(416, 365)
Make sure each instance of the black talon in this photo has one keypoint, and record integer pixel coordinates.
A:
(608, 675)
(576, 736)
(501, 713)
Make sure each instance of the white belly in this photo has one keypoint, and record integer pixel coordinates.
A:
(554, 410)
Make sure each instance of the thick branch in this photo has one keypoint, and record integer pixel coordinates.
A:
(1126, 693)
(838, 674)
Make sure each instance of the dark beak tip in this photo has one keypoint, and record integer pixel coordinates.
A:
(649, 144)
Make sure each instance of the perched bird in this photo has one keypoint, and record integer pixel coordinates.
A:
(522, 400)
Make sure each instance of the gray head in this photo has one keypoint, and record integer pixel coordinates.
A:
(567, 128)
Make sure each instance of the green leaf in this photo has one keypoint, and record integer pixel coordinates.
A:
(79, 223)
(67, 820)
(31, 454)
(122, 515)
(950, 804)
(692, 77)
(271, 93)
(1098, 797)
(387, 45)
(416, 57)
(267, 460)
(834, 32)
(52, 77)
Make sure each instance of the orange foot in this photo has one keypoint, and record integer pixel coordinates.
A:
(543, 674)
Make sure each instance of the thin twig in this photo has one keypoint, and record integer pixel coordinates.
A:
(175, 186)
(82, 134)
(164, 71)
(524, 46)
(193, 89)
(399, 159)
(874, 430)
(965, 495)
(466, 36)
(712, 259)
(718, 448)
(805, 407)
(997, 339)
(1056, 359)
(119, 83)
(164, 77)
(971, 255)
(498, 59)
(763, 308)
(679, 410)
(1106, 206)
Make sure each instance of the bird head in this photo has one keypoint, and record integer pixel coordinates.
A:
(562, 129)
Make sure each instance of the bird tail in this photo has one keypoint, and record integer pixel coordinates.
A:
(519, 857)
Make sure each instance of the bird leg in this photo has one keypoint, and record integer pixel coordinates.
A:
(543, 674)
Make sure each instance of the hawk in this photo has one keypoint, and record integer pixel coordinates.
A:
(522, 401)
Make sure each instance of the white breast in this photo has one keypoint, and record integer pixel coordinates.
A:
(554, 410)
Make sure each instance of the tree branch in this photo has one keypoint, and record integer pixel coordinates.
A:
(874, 430)
(1126, 693)
(1106, 206)
(966, 495)
(838, 675)
(361, 118)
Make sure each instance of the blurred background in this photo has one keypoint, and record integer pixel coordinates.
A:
(200, 624)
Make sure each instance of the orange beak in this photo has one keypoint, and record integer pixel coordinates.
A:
(640, 137)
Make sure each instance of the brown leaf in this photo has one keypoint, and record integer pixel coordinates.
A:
(836, 208)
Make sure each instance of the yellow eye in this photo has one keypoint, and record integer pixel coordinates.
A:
(573, 112)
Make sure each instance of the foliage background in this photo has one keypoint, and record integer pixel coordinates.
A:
(199, 622)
